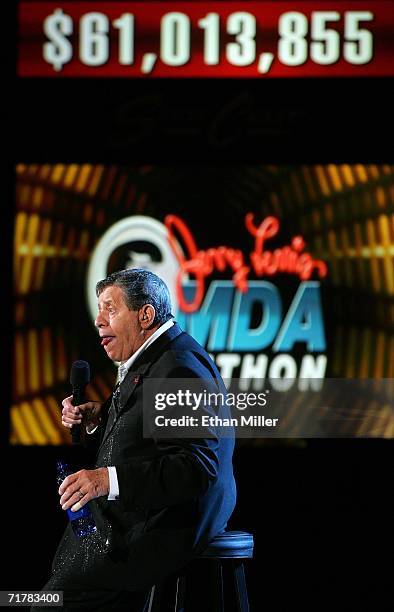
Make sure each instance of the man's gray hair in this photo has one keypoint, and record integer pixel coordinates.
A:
(141, 287)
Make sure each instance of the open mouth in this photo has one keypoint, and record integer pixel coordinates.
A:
(106, 340)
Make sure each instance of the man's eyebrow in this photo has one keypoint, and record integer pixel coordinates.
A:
(106, 303)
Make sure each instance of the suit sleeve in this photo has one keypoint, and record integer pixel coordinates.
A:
(181, 469)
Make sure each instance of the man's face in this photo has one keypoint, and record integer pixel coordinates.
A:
(118, 326)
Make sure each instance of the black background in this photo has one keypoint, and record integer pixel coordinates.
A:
(320, 511)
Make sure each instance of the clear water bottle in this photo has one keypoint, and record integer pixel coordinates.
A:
(82, 521)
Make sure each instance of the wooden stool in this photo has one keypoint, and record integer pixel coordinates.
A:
(229, 548)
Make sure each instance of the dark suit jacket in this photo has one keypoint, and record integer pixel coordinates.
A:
(175, 495)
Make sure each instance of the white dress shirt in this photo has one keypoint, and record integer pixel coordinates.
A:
(122, 371)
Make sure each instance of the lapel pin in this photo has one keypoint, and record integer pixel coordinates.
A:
(136, 379)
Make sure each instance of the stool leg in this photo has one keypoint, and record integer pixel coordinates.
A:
(180, 593)
(150, 603)
(218, 588)
(162, 597)
(240, 586)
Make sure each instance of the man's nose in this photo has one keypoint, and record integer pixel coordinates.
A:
(100, 320)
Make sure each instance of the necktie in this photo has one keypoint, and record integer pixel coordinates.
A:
(113, 409)
(116, 398)
(122, 371)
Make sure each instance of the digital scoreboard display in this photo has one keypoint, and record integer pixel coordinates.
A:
(205, 39)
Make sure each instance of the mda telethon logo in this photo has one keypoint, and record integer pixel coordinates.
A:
(219, 313)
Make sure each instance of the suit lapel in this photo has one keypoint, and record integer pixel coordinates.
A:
(140, 367)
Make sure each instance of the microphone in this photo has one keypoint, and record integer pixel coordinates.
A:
(79, 378)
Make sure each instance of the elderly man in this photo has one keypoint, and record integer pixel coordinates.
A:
(157, 501)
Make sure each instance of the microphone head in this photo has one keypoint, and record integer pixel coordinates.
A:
(80, 374)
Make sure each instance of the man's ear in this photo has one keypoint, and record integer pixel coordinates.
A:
(146, 316)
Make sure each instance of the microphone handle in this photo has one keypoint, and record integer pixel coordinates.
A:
(78, 398)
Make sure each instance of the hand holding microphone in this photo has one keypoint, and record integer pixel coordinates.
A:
(72, 415)
(74, 407)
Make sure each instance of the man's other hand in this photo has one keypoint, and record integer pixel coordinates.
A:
(73, 415)
(78, 489)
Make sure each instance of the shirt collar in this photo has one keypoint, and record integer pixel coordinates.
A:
(124, 368)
